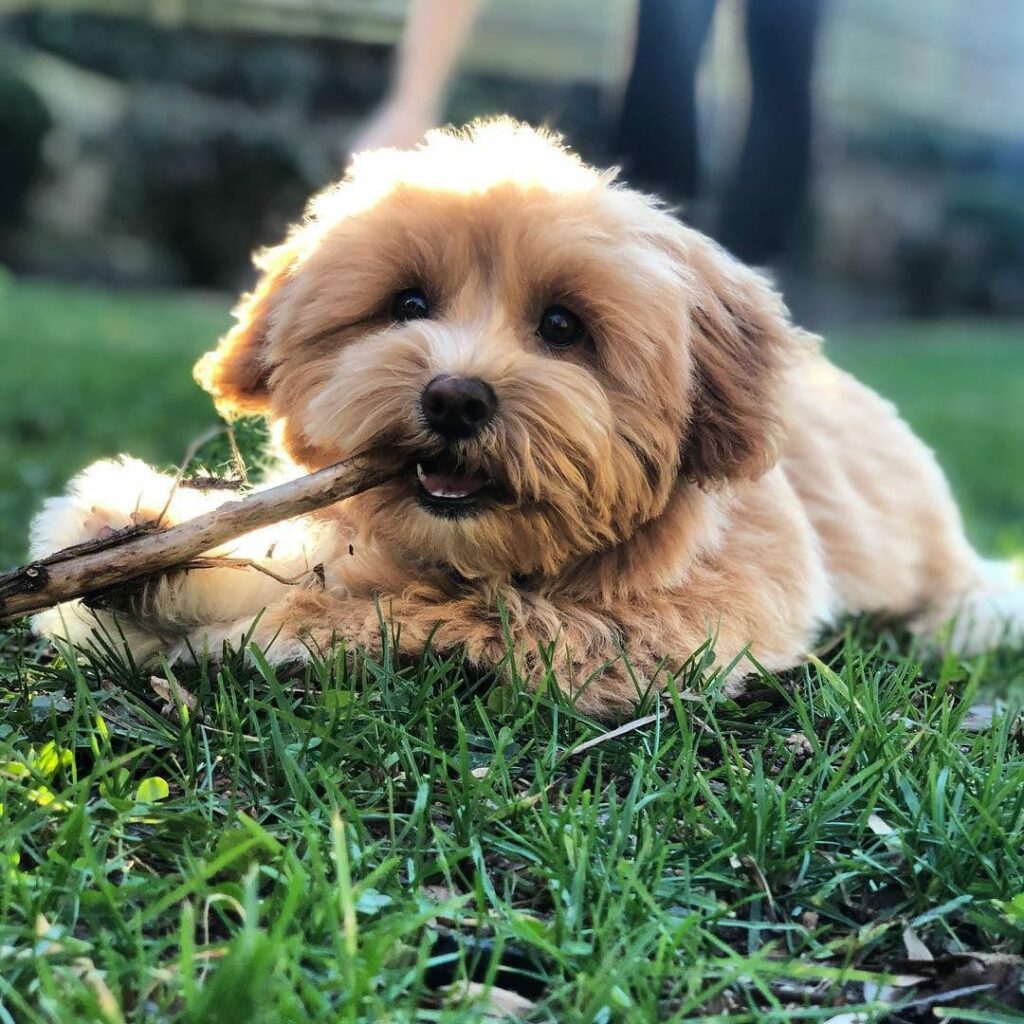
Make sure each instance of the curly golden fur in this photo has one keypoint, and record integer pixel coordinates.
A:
(693, 467)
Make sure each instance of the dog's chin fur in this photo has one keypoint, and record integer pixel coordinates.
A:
(691, 467)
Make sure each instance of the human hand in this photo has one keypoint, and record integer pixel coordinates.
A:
(398, 123)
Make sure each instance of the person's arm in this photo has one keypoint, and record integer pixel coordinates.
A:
(435, 32)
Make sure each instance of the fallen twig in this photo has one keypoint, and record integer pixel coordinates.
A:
(614, 734)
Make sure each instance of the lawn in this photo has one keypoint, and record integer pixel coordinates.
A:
(374, 844)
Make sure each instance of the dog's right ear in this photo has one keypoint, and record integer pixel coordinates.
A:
(742, 342)
(237, 372)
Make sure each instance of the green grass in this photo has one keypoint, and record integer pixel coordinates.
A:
(337, 846)
(961, 387)
(85, 375)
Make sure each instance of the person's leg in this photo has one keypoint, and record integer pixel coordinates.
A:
(657, 134)
(768, 192)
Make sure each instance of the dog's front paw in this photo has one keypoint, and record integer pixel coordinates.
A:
(109, 496)
(102, 499)
(277, 645)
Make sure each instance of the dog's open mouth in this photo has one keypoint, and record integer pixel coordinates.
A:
(448, 488)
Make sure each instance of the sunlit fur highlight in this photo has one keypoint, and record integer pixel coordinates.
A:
(695, 470)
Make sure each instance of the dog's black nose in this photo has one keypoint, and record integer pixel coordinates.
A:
(458, 406)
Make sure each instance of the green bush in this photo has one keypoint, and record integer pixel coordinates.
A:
(209, 182)
(24, 123)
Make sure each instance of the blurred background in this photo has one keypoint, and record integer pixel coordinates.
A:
(870, 154)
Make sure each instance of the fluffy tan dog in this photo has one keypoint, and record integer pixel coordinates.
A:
(611, 431)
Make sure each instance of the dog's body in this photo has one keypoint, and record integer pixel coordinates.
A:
(615, 442)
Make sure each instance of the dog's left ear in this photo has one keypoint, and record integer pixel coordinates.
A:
(742, 341)
(237, 371)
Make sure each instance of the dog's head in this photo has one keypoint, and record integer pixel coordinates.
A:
(548, 353)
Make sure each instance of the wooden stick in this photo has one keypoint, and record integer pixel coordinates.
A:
(138, 551)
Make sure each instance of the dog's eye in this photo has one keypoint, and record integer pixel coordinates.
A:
(560, 327)
(410, 304)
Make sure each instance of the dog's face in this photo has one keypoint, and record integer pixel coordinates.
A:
(546, 354)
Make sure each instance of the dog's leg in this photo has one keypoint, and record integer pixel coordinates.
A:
(307, 621)
(987, 615)
(113, 494)
(583, 655)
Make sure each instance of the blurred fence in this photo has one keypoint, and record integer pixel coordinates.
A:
(564, 40)
(955, 65)
(949, 64)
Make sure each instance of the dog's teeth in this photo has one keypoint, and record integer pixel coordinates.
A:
(434, 492)
(435, 489)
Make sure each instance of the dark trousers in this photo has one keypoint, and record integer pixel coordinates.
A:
(657, 136)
